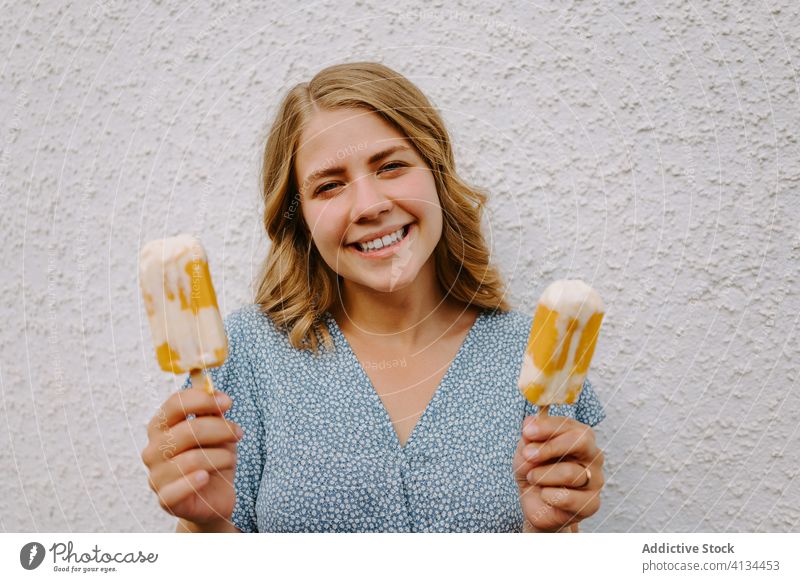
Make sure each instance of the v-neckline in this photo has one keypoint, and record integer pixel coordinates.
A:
(375, 397)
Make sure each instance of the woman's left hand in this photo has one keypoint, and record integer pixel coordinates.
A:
(553, 487)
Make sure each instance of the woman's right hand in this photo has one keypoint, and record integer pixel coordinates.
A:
(191, 462)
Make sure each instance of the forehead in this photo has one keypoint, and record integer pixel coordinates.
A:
(331, 136)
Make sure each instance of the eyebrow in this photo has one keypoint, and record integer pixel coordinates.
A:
(373, 159)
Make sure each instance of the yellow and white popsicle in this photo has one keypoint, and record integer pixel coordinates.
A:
(561, 343)
(186, 326)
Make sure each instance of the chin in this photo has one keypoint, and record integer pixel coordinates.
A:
(388, 286)
(385, 283)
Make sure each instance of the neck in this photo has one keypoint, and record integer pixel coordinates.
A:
(403, 317)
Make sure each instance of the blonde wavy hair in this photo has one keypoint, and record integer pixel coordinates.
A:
(295, 286)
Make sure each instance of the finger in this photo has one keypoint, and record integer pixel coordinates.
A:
(562, 474)
(540, 514)
(576, 502)
(579, 444)
(203, 431)
(208, 459)
(173, 493)
(180, 404)
(542, 428)
(520, 465)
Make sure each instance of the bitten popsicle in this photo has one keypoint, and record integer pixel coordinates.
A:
(186, 326)
(561, 344)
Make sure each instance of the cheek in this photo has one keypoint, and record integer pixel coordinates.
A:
(327, 226)
(421, 185)
(419, 192)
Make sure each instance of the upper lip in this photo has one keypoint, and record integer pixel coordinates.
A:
(380, 233)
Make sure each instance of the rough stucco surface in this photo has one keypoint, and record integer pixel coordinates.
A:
(647, 147)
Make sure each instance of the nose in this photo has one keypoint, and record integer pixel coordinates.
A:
(369, 200)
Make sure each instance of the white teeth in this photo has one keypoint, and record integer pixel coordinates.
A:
(379, 243)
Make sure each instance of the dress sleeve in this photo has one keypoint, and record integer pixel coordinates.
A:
(235, 378)
(589, 410)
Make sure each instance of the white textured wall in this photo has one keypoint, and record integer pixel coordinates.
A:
(647, 147)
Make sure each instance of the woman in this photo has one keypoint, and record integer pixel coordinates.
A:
(375, 375)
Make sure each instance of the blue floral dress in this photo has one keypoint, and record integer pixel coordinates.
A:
(320, 454)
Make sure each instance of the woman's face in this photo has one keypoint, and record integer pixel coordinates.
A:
(362, 181)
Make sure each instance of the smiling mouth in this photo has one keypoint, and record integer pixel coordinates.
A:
(370, 249)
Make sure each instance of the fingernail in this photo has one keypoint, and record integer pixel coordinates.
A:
(222, 400)
(239, 432)
(531, 431)
(530, 453)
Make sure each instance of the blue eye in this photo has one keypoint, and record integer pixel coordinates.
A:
(388, 168)
(324, 188)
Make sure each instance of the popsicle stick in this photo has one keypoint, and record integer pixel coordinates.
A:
(200, 379)
(543, 410)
